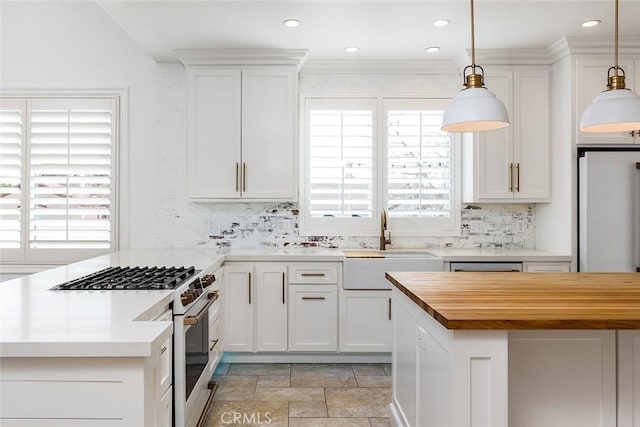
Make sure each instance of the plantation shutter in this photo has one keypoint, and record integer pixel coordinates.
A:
(421, 169)
(418, 165)
(71, 154)
(340, 187)
(12, 139)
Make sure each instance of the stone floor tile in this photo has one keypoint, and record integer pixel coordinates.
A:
(222, 369)
(308, 409)
(273, 381)
(235, 388)
(371, 381)
(380, 422)
(289, 394)
(259, 369)
(328, 422)
(327, 380)
(358, 402)
(367, 369)
(274, 414)
(387, 368)
(321, 368)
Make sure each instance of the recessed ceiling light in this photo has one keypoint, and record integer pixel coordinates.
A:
(591, 23)
(292, 22)
(351, 49)
(441, 22)
(432, 49)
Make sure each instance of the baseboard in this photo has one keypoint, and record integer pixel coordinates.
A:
(395, 417)
(306, 358)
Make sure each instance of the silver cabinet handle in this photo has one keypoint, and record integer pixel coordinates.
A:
(313, 298)
(237, 180)
(518, 177)
(283, 288)
(249, 281)
(244, 177)
(511, 177)
(389, 308)
(163, 350)
(312, 274)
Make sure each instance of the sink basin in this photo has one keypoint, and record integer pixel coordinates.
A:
(368, 273)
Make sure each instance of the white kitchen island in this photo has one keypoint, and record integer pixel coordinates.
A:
(516, 349)
(88, 358)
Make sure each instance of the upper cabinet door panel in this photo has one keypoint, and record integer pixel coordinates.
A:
(495, 148)
(531, 147)
(214, 133)
(591, 80)
(268, 133)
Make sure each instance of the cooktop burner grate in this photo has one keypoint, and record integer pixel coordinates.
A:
(131, 278)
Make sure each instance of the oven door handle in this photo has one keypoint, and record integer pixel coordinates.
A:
(193, 320)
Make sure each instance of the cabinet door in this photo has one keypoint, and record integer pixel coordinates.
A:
(271, 308)
(313, 318)
(365, 321)
(238, 308)
(164, 413)
(628, 379)
(591, 80)
(531, 134)
(268, 130)
(165, 364)
(636, 88)
(214, 133)
(495, 148)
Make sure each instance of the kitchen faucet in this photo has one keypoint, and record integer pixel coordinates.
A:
(384, 241)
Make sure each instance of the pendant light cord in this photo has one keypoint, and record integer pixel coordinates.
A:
(615, 49)
(473, 41)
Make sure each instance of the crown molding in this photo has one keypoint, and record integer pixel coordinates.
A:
(222, 56)
(602, 45)
(386, 66)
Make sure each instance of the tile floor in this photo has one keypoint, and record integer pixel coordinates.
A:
(302, 395)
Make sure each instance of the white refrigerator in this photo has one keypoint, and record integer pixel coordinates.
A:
(609, 210)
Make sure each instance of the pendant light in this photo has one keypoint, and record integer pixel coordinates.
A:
(617, 109)
(475, 108)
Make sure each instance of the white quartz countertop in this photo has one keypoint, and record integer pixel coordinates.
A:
(38, 322)
(498, 255)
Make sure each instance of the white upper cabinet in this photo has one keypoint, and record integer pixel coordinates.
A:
(242, 133)
(591, 80)
(512, 164)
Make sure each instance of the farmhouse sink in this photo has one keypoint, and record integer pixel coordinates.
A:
(367, 271)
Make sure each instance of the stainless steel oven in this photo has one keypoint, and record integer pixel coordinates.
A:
(197, 350)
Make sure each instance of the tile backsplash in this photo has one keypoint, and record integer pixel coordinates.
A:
(180, 223)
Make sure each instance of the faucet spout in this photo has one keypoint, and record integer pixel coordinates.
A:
(384, 241)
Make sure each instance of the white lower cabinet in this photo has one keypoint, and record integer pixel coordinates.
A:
(628, 379)
(546, 267)
(239, 307)
(313, 318)
(164, 416)
(365, 321)
(271, 307)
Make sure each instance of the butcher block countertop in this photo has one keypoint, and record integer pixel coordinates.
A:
(525, 300)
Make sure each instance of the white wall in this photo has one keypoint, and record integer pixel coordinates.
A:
(75, 45)
(554, 221)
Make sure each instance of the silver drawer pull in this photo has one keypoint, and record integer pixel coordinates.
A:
(313, 298)
(163, 350)
(312, 274)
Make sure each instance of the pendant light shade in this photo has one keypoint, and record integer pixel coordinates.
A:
(617, 109)
(475, 108)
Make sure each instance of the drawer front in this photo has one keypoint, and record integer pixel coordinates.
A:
(215, 342)
(165, 372)
(314, 273)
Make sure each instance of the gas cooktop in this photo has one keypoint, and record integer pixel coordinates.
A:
(131, 278)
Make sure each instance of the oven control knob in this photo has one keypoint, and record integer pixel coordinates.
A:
(187, 298)
(207, 280)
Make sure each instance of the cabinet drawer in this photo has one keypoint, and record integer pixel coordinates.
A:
(215, 342)
(552, 267)
(313, 273)
(165, 364)
(164, 413)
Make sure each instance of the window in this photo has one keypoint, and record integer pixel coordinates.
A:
(57, 180)
(350, 175)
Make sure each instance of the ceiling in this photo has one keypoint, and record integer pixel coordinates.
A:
(389, 30)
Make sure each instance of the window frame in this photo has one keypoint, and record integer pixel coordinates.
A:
(369, 227)
(26, 255)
